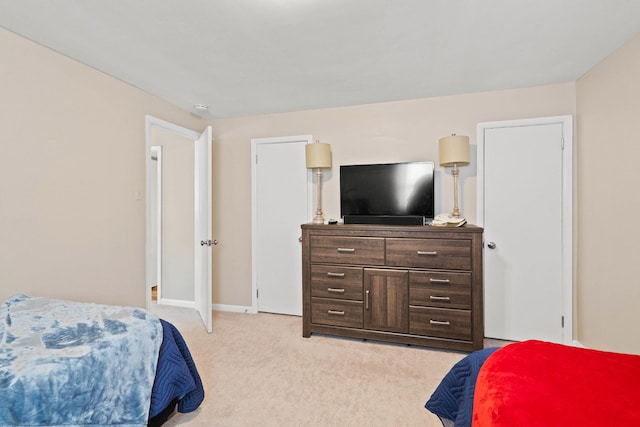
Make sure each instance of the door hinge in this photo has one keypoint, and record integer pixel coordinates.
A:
(256, 159)
(562, 144)
(562, 321)
(257, 293)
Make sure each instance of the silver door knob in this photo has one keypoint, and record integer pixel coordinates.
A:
(300, 239)
(491, 245)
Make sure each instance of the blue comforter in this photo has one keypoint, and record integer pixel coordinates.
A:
(453, 398)
(177, 376)
(69, 363)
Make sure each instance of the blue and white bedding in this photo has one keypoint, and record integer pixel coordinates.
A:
(69, 363)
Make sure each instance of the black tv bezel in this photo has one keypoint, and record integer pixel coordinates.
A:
(388, 218)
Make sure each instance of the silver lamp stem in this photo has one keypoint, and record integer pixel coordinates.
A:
(319, 218)
(456, 210)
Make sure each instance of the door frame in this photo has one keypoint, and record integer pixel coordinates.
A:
(308, 139)
(568, 264)
(151, 123)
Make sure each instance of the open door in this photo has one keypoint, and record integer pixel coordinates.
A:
(157, 131)
(203, 220)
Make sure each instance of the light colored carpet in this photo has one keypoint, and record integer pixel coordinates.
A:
(258, 370)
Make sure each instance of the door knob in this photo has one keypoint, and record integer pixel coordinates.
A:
(300, 239)
(208, 242)
(491, 245)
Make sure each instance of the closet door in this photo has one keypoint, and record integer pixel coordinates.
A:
(523, 195)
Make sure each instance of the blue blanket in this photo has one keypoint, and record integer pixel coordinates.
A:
(453, 398)
(176, 376)
(64, 363)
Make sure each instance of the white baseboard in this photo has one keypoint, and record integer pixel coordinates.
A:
(233, 308)
(176, 303)
(577, 343)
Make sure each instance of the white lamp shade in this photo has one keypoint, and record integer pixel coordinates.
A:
(318, 155)
(454, 149)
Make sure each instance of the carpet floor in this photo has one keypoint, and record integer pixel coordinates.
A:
(258, 370)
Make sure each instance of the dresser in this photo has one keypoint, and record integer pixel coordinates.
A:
(417, 285)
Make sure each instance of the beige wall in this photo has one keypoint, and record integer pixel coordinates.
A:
(608, 122)
(72, 144)
(389, 132)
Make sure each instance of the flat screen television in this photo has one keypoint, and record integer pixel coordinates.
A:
(390, 193)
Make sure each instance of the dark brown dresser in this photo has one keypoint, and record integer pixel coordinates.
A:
(405, 284)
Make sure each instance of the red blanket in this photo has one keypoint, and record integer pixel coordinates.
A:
(536, 383)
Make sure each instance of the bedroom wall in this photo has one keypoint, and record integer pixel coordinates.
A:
(385, 132)
(608, 123)
(72, 157)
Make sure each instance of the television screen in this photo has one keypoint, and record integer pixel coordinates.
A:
(394, 189)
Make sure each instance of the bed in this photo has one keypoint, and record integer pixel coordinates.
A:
(537, 383)
(71, 363)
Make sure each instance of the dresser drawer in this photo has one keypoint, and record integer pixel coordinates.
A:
(440, 322)
(347, 250)
(447, 290)
(336, 313)
(429, 253)
(331, 281)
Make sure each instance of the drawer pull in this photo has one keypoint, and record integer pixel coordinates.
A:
(346, 250)
(336, 290)
(436, 298)
(430, 253)
(336, 312)
(439, 322)
(330, 274)
(440, 281)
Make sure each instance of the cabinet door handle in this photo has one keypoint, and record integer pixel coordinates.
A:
(336, 290)
(330, 274)
(437, 298)
(366, 299)
(439, 322)
(430, 253)
(440, 281)
(336, 312)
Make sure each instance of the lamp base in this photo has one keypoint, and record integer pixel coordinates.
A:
(319, 218)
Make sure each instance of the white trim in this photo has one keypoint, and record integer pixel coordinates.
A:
(567, 202)
(150, 123)
(254, 197)
(177, 303)
(233, 308)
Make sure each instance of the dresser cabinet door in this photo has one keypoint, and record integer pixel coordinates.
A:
(386, 300)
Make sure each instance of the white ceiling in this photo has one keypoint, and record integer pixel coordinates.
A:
(246, 57)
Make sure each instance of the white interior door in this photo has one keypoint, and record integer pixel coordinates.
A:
(201, 263)
(281, 205)
(523, 206)
(203, 221)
